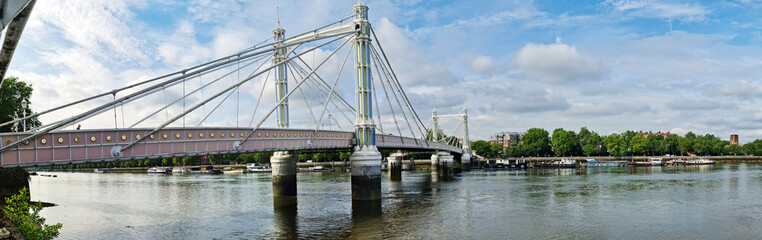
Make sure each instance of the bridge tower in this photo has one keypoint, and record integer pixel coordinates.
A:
(283, 163)
(465, 159)
(366, 160)
(441, 162)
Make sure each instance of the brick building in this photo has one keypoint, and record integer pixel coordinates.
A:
(507, 139)
(733, 139)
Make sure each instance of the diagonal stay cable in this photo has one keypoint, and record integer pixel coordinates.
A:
(328, 98)
(312, 114)
(190, 93)
(313, 85)
(297, 86)
(232, 87)
(231, 92)
(388, 101)
(262, 90)
(397, 99)
(325, 85)
(373, 32)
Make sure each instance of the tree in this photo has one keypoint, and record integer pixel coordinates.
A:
(536, 142)
(12, 93)
(655, 144)
(588, 149)
(481, 147)
(27, 217)
(563, 142)
(639, 144)
(735, 150)
(190, 160)
(672, 143)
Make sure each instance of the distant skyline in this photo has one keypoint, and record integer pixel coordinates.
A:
(610, 65)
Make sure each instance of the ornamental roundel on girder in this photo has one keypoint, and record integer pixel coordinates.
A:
(177, 135)
(190, 135)
(76, 139)
(259, 134)
(240, 134)
(151, 136)
(92, 139)
(124, 137)
(267, 134)
(211, 134)
(26, 142)
(200, 135)
(44, 141)
(288, 135)
(281, 134)
(222, 134)
(301, 134)
(108, 138)
(137, 136)
(165, 136)
(60, 140)
(8, 142)
(232, 134)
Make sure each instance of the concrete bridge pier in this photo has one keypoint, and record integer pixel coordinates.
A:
(284, 179)
(395, 166)
(366, 173)
(443, 163)
(465, 161)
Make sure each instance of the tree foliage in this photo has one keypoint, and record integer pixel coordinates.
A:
(535, 142)
(12, 93)
(27, 217)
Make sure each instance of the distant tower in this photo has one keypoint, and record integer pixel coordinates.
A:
(733, 139)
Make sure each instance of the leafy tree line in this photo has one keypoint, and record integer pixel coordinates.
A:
(538, 142)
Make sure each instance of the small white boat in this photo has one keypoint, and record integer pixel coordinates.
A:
(158, 170)
(179, 170)
(232, 170)
(700, 161)
(256, 168)
(98, 170)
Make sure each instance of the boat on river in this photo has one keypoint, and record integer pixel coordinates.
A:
(179, 170)
(700, 161)
(564, 163)
(232, 170)
(649, 162)
(256, 168)
(159, 170)
(595, 163)
(203, 170)
(98, 170)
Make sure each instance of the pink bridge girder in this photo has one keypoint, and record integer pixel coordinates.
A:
(85, 146)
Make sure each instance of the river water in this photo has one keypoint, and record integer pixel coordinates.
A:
(686, 202)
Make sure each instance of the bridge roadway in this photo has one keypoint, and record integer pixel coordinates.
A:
(86, 146)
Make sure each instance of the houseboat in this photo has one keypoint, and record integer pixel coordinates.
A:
(518, 163)
(232, 170)
(159, 170)
(256, 168)
(649, 162)
(203, 170)
(700, 161)
(179, 170)
(595, 163)
(564, 163)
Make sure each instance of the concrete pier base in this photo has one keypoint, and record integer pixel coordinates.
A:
(465, 161)
(395, 166)
(366, 173)
(284, 179)
(443, 164)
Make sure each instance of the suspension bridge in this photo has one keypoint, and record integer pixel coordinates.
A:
(191, 112)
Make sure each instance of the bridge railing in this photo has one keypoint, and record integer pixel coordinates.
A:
(397, 142)
(82, 146)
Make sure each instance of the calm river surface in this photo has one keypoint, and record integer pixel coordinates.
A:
(695, 202)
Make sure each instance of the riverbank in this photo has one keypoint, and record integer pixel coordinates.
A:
(719, 159)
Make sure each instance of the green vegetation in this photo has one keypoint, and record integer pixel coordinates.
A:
(12, 93)
(536, 142)
(27, 217)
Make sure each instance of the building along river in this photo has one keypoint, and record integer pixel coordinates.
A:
(683, 202)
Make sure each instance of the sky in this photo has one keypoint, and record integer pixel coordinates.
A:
(610, 66)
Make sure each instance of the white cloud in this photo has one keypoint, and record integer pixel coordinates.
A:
(558, 63)
(660, 9)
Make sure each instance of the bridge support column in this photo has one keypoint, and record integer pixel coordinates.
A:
(442, 162)
(284, 179)
(395, 166)
(366, 173)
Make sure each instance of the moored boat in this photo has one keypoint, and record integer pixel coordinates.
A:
(700, 161)
(256, 168)
(159, 170)
(647, 163)
(179, 170)
(232, 170)
(564, 163)
(203, 170)
(595, 163)
(98, 170)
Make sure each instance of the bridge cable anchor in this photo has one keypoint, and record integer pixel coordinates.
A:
(237, 145)
(116, 151)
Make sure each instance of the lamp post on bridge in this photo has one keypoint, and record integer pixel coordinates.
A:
(23, 110)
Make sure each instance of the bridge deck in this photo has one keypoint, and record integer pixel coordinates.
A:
(82, 146)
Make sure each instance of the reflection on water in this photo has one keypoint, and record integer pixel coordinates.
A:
(683, 202)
